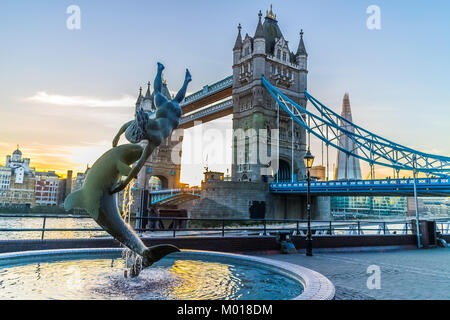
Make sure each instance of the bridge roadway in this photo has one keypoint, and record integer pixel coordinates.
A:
(209, 94)
(199, 105)
(426, 187)
(207, 114)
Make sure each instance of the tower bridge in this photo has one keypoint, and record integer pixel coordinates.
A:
(268, 90)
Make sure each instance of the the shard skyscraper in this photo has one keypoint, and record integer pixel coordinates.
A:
(347, 167)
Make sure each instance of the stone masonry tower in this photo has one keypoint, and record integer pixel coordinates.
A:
(267, 53)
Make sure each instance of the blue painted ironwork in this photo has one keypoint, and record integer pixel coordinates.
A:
(169, 195)
(207, 111)
(208, 90)
(400, 187)
(329, 126)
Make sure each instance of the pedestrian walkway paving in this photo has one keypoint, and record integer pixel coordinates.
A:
(404, 274)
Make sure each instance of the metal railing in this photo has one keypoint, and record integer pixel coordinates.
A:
(154, 226)
(176, 190)
(161, 195)
(371, 183)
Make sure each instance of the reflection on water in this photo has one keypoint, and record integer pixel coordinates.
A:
(205, 281)
(51, 223)
(168, 279)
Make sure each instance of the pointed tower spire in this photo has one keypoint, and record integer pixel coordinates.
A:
(238, 43)
(301, 50)
(259, 29)
(347, 166)
(148, 94)
(139, 99)
(346, 110)
(164, 90)
(270, 14)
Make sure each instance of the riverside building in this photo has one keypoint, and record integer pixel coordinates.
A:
(17, 181)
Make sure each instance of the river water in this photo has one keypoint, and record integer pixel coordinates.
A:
(50, 223)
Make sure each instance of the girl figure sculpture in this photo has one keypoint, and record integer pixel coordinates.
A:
(154, 127)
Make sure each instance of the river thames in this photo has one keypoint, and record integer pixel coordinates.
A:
(22, 222)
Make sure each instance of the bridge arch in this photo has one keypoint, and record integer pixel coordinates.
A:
(157, 182)
(284, 171)
(167, 173)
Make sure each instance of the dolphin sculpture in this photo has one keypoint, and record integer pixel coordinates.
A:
(152, 127)
(97, 199)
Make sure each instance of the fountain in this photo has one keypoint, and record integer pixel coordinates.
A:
(188, 275)
(175, 273)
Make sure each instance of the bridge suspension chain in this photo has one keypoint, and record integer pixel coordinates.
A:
(330, 128)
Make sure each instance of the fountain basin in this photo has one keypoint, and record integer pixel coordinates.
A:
(189, 274)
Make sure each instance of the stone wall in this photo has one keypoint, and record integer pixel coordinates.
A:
(294, 207)
(227, 199)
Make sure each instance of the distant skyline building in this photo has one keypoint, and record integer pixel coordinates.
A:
(435, 206)
(318, 172)
(78, 181)
(347, 167)
(23, 186)
(369, 205)
(17, 181)
(47, 188)
(18, 165)
(68, 185)
(5, 178)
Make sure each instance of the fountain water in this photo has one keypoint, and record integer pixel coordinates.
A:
(190, 274)
(133, 262)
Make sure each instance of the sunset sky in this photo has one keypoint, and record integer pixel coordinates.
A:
(65, 93)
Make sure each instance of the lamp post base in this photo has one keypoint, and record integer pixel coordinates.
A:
(309, 247)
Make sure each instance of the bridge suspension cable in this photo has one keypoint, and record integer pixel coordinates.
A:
(330, 127)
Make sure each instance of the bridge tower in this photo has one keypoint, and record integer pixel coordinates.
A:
(160, 164)
(267, 53)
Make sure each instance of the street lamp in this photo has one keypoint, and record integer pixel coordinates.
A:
(414, 164)
(309, 159)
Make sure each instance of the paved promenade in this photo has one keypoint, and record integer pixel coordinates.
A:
(405, 274)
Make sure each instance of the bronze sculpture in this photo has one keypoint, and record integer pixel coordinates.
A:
(98, 193)
(156, 129)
